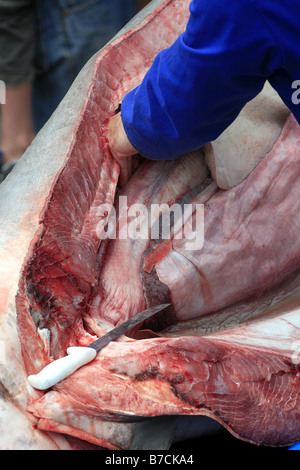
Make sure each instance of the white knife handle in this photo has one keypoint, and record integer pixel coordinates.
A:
(61, 368)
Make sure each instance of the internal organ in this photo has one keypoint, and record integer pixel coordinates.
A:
(246, 249)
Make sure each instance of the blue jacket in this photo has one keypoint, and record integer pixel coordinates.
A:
(198, 86)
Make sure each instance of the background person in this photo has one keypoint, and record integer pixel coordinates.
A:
(44, 44)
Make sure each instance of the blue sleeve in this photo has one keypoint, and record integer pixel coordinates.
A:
(197, 87)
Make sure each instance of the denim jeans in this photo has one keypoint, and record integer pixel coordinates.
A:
(69, 32)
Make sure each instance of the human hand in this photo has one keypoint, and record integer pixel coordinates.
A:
(122, 150)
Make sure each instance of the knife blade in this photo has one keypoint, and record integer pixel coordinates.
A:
(78, 356)
(126, 326)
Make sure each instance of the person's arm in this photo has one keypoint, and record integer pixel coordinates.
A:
(16, 122)
(197, 87)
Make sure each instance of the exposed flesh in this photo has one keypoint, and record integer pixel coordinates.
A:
(227, 351)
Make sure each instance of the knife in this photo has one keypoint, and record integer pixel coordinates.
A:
(78, 356)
